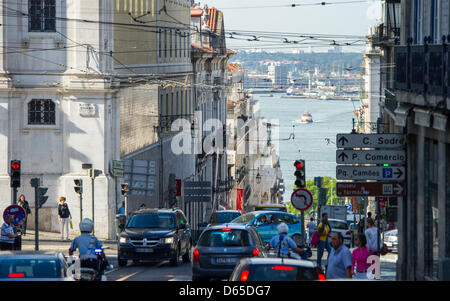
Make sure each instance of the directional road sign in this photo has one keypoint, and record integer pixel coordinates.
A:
(370, 173)
(301, 199)
(197, 191)
(370, 157)
(386, 189)
(370, 140)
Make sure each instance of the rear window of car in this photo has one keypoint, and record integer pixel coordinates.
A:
(281, 273)
(244, 219)
(224, 217)
(338, 225)
(231, 238)
(30, 268)
(157, 220)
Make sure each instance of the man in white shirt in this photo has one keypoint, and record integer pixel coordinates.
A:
(7, 236)
(311, 228)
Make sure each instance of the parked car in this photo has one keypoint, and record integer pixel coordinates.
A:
(220, 248)
(271, 207)
(155, 235)
(266, 222)
(391, 240)
(341, 226)
(276, 269)
(33, 266)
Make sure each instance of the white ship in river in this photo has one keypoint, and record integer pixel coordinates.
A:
(293, 92)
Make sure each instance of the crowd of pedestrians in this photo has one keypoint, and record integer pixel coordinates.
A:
(341, 262)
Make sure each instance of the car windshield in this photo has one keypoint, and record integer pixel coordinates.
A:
(338, 225)
(223, 217)
(228, 238)
(30, 268)
(281, 273)
(244, 219)
(157, 220)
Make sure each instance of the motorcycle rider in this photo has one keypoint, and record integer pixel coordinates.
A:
(282, 242)
(87, 243)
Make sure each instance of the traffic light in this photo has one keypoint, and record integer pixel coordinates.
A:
(300, 181)
(78, 186)
(42, 197)
(124, 189)
(15, 173)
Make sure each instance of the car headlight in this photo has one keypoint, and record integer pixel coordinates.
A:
(123, 240)
(168, 240)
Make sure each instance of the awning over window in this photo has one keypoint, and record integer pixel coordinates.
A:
(422, 117)
(401, 114)
(439, 122)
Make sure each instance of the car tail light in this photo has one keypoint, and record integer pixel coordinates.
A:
(195, 257)
(255, 252)
(244, 275)
(226, 229)
(321, 275)
(282, 268)
(16, 275)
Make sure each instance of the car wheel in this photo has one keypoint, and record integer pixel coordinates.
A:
(174, 259)
(186, 256)
(299, 240)
(122, 262)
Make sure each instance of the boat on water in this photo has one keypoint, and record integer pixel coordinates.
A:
(306, 118)
(293, 92)
(266, 95)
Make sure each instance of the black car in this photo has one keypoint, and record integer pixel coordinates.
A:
(155, 235)
(276, 269)
(220, 248)
(33, 266)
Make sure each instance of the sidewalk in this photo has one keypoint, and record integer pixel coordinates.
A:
(51, 242)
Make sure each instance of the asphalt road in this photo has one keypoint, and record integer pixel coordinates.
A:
(144, 271)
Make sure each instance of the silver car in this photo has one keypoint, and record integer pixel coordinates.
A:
(391, 240)
(338, 225)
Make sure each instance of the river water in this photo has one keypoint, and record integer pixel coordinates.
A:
(330, 117)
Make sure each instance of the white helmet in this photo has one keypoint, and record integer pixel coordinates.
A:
(86, 225)
(282, 228)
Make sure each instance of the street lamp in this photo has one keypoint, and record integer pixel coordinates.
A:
(393, 17)
(258, 179)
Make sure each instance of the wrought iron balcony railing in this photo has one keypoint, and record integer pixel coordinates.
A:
(423, 69)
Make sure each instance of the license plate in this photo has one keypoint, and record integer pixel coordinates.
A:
(226, 260)
(144, 250)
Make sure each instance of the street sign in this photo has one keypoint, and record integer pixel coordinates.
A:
(370, 173)
(371, 189)
(18, 213)
(370, 140)
(197, 191)
(370, 156)
(118, 168)
(301, 199)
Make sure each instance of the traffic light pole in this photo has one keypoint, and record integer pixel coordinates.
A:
(36, 182)
(92, 187)
(14, 200)
(81, 206)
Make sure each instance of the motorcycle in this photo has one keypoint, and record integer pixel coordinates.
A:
(91, 266)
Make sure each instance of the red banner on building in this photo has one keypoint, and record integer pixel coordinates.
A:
(239, 196)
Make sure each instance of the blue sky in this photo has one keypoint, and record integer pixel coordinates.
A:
(347, 19)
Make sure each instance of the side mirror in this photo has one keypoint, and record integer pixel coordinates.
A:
(183, 226)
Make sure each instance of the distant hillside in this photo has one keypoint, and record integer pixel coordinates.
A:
(300, 62)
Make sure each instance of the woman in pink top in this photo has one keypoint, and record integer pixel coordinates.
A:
(359, 257)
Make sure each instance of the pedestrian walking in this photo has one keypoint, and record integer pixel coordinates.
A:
(311, 228)
(371, 236)
(359, 257)
(122, 209)
(340, 259)
(323, 231)
(24, 204)
(64, 217)
(8, 236)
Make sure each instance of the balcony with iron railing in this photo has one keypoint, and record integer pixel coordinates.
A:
(423, 69)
